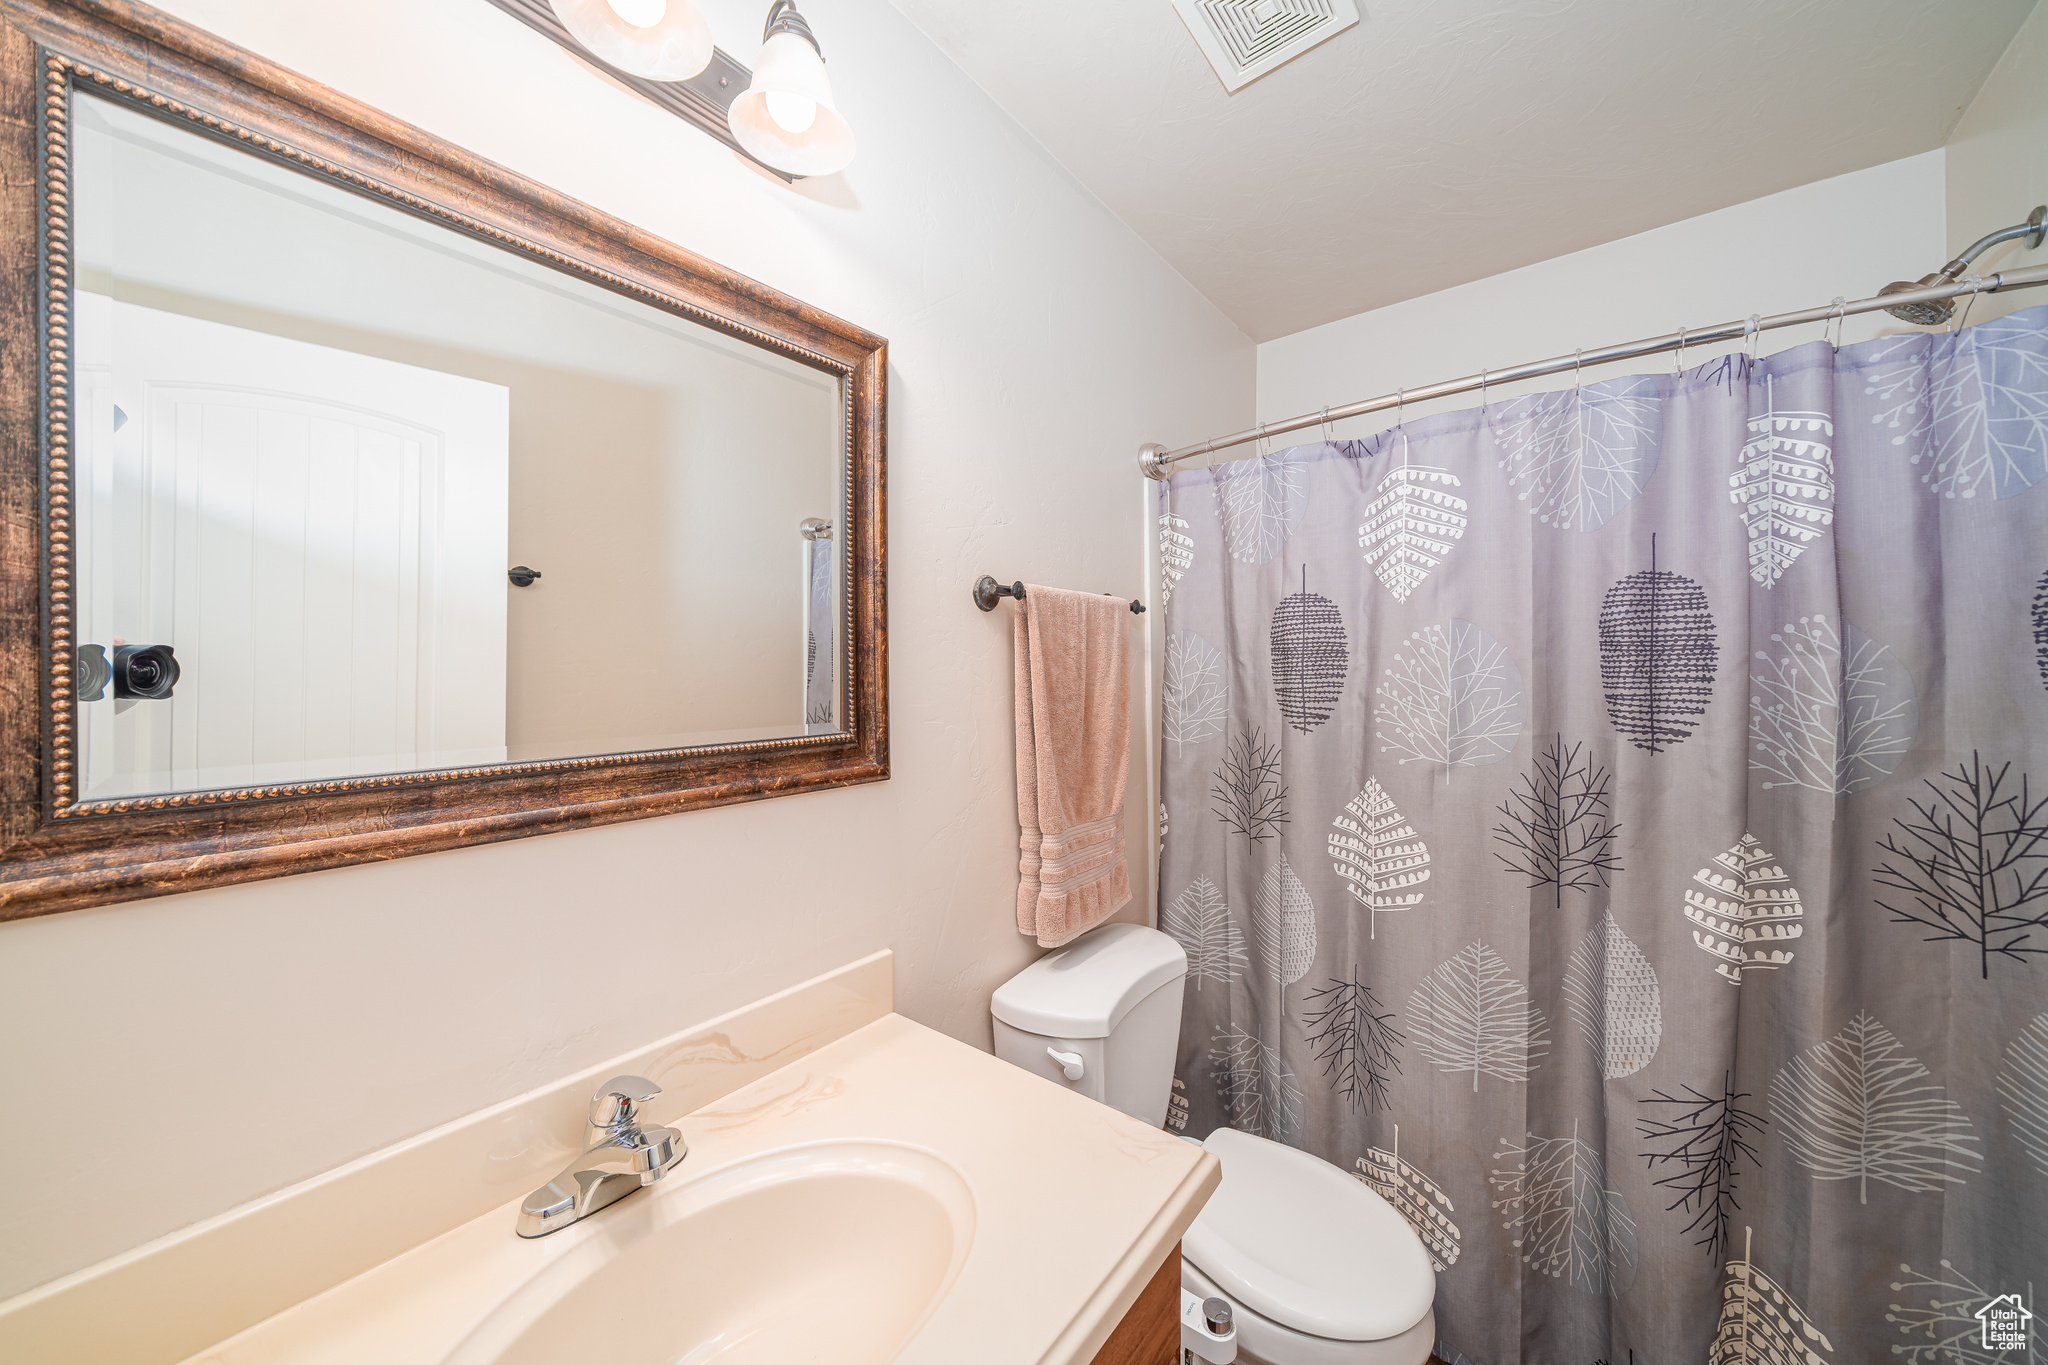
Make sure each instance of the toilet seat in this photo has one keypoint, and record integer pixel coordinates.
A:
(1312, 1251)
(1261, 1341)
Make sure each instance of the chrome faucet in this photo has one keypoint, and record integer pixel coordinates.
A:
(618, 1157)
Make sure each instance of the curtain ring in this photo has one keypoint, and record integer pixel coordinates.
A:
(1839, 304)
(1755, 329)
(1681, 348)
(1482, 389)
(1976, 282)
(1327, 438)
(1578, 368)
(1400, 403)
(1260, 445)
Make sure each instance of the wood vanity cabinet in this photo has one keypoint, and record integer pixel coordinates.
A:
(1150, 1332)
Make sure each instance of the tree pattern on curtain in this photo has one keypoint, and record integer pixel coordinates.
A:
(1630, 845)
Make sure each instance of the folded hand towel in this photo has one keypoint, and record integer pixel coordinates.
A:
(1073, 755)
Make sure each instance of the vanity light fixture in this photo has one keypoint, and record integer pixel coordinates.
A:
(660, 40)
(786, 118)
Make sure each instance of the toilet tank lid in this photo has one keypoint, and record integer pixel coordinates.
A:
(1085, 989)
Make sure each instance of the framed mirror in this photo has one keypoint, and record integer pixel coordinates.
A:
(367, 499)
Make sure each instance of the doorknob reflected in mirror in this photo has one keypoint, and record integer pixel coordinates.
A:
(521, 576)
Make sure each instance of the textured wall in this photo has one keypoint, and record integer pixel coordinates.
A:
(249, 1037)
(1849, 236)
(1998, 164)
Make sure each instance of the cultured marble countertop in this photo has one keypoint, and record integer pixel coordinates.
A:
(1076, 1205)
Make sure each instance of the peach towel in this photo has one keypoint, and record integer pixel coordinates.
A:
(1073, 658)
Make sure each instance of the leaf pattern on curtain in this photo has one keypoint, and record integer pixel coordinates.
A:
(1835, 713)
(1416, 1198)
(1411, 526)
(1740, 901)
(1201, 923)
(1851, 826)
(2023, 1090)
(1941, 1325)
(1760, 1323)
(1310, 654)
(1286, 924)
(1971, 406)
(1251, 800)
(1568, 1221)
(1357, 1045)
(1259, 502)
(1971, 866)
(1176, 554)
(1578, 457)
(1195, 695)
(2041, 628)
(1260, 1094)
(1849, 1110)
(1704, 1141)
(1470, 1014)
(1785, 485)
(1454, 699)
(1378, 855)
(1611, 992)
(1555, 823)
(1657, 655)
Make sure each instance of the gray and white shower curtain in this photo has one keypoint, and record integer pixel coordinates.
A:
(1613, 824)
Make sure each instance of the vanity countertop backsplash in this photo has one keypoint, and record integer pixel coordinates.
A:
(1030, 1220)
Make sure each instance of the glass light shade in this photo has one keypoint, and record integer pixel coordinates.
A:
(791, 70)
(675, 47)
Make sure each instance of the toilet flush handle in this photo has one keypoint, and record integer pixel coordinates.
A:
(1069, 1062)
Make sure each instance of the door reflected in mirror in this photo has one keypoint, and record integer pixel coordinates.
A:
(360, 493)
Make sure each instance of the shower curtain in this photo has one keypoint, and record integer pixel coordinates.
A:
(1613, 825)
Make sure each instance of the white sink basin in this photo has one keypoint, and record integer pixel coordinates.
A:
(835, 1251)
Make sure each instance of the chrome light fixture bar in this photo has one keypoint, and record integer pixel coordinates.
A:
(702, 100)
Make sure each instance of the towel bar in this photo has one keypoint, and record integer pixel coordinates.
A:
(987, 590)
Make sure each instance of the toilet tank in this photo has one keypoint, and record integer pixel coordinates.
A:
(1111, 998)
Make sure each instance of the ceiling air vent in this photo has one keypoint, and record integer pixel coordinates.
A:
(1244, 39)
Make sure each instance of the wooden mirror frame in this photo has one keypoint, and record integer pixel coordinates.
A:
(58, 852)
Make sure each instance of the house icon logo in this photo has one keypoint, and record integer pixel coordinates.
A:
(2005, 1321)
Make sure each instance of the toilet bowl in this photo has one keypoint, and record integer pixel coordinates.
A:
(1319, 1269)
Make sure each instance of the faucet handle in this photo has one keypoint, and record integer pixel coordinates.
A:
(617, 1101)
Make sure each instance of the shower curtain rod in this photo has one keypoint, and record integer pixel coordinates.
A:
(1158, 462)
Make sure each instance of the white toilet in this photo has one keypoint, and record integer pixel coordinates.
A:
(1318, 1268)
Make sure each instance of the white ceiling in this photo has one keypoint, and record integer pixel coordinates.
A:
(1441, 141)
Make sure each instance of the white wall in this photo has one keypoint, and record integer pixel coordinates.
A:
(1848, 236)
(724, 448)
(1998, 164)
(236, 1040)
